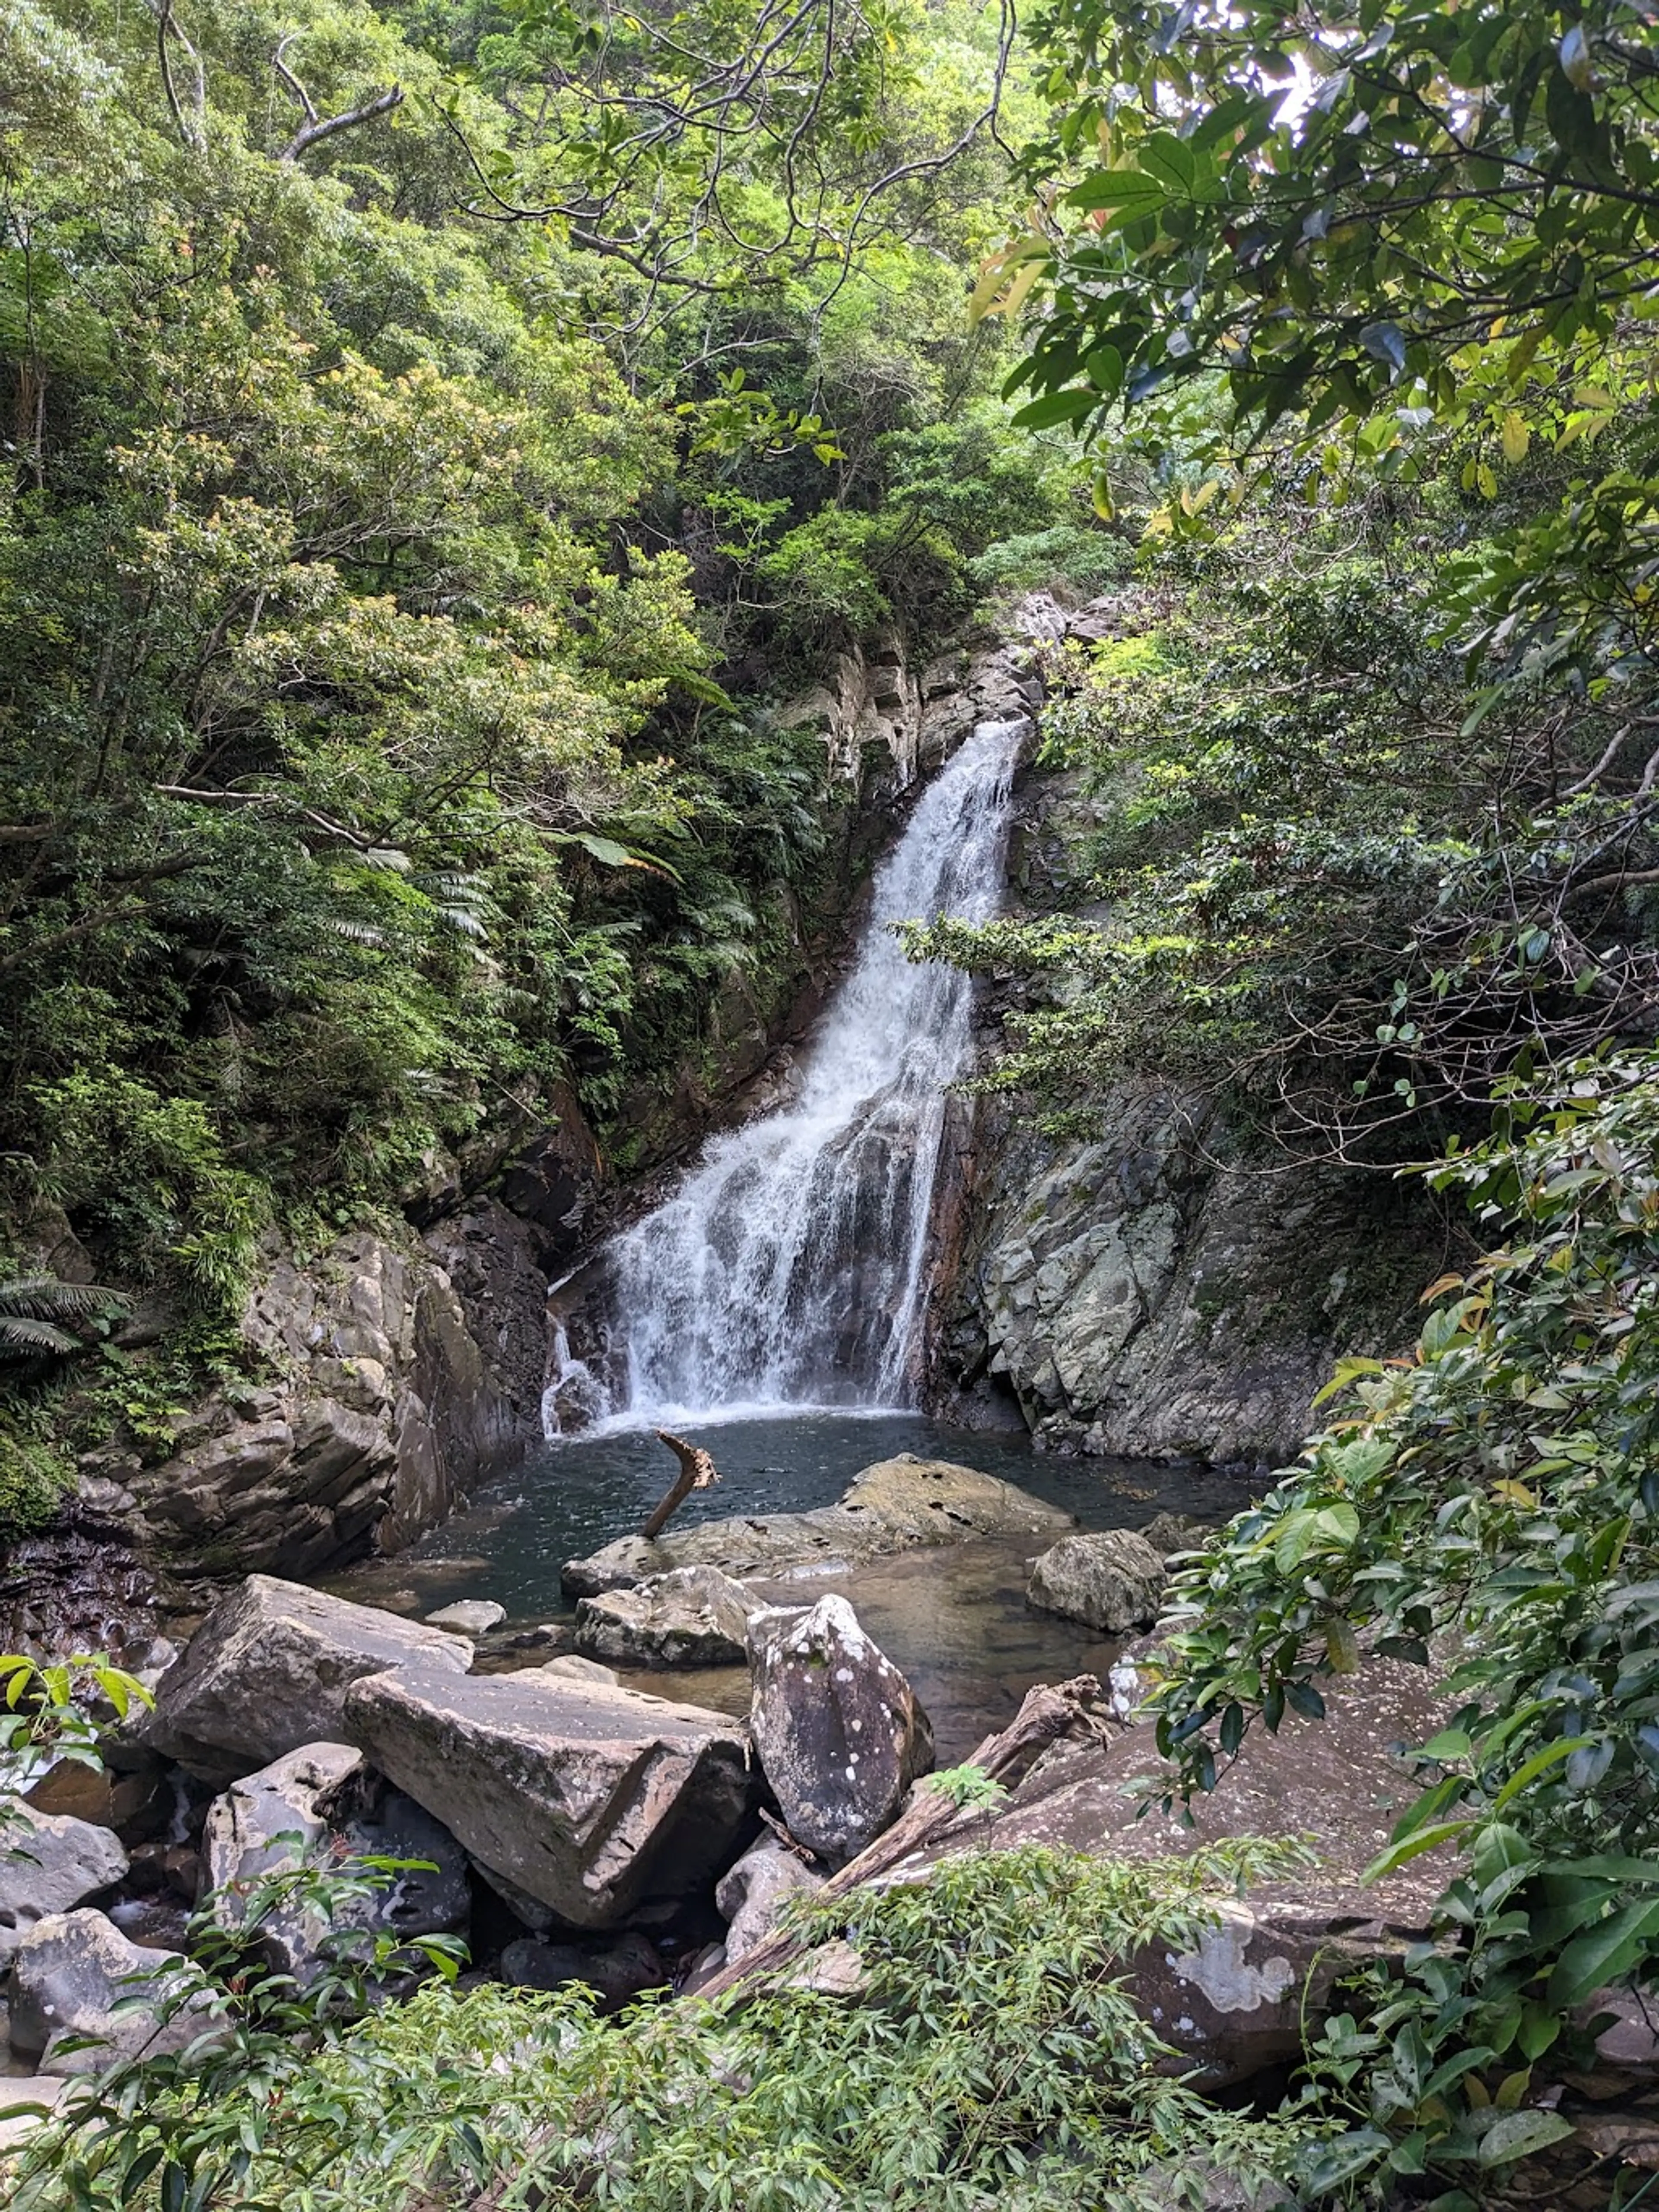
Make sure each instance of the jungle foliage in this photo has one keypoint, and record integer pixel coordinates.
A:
(991, 2054)
(435, 439)
(1365, 296)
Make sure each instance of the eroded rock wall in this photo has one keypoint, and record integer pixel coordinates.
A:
(1156, 1291)
(1158, 1288)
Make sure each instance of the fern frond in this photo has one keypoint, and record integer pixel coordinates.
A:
(22, 1337)
(40, 1298)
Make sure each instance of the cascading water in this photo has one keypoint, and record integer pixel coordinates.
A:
(789, 1269)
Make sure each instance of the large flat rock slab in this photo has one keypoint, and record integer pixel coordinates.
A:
(267, 1670)
(897, 1505)
(1236, 2003)
(586, 1797)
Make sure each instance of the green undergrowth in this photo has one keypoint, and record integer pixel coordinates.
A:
(991, 2057)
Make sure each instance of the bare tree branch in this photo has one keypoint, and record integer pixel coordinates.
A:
(316, 128)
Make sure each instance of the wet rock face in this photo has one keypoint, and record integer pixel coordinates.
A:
(267, 1670)
(840, 1732)
(390, 1395)
(899, 1505)
(1137, 1296)
(71, 1979)
(691, 1617)
(590, 1800)
(50, 1862)
(1114, 1580)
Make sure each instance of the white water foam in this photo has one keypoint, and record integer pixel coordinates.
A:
(789, 1269)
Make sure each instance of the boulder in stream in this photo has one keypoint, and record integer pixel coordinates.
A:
(1113, 1580)
(692, 1617)
(468, 1616)
(840, 1732)
(269, 1669)
(896, 1505)
(589, 1799)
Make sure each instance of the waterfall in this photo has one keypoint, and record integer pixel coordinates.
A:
(789, 1269)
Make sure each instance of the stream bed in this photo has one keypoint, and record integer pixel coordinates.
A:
(954, 1618)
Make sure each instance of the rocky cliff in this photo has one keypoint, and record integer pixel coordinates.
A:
(1160, 1288)
(1159, 1291)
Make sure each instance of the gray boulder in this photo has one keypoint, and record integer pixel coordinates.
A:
(75, 1975)
(323, 1795)
(590, 1799)
(1114, 1580)
(269, 1669)
(620, 1972)
(751, 1896)
(896, 1505)
(571, 1667)
(469, 1616)
(690, 1616)
(1242, 1997)
(838, 1731)
(49, 1863)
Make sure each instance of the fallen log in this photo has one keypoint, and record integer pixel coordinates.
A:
(696, 1472)
(1045, 1714)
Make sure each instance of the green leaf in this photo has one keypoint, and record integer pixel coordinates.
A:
(1603, 1954)
(1540, 1763)
(1517, 2135)
(1056, 408)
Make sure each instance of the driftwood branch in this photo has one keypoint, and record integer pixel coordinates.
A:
(696, 1472)
(1045, 1716)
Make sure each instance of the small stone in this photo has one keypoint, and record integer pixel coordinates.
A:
(470, 1616)
(571, 1667)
